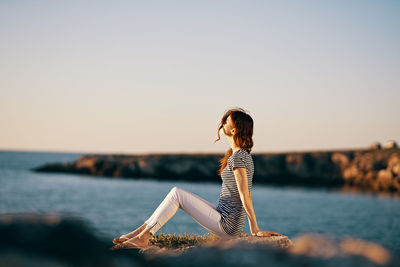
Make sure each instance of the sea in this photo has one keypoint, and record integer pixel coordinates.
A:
(115, 206)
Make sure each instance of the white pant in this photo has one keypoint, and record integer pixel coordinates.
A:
(201, 210)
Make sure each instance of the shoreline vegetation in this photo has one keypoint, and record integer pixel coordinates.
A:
(373, 169)
(35, 239)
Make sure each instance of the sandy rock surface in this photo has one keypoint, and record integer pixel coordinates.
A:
(243, 240)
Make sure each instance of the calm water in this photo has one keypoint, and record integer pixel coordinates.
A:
(116, 206)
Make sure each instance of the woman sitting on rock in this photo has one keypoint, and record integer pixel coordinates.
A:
(228, 218)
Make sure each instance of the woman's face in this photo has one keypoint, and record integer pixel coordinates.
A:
(228, 126)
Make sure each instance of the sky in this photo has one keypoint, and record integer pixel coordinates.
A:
(157, 76)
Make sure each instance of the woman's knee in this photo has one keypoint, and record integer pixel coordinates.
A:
(174, 191)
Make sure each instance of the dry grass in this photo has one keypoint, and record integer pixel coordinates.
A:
(181, 241)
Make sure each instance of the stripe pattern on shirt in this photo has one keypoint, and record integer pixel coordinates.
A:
(230, 205)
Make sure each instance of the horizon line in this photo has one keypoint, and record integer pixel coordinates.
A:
(178, 152)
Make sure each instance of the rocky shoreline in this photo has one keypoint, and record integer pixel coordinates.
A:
(54, 240)
(373, 169)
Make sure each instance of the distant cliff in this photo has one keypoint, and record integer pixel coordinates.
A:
(372, 169)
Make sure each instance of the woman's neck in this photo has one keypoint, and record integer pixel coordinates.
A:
(233, 145)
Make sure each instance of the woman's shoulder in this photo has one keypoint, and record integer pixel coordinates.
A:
(240, 158)
(241, 153)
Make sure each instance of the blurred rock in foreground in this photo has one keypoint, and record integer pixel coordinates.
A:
(372, 169)
(53, 240)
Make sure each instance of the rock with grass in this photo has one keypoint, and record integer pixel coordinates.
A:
(173, 245)
(53, 240)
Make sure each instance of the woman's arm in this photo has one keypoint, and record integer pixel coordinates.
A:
(245, 196)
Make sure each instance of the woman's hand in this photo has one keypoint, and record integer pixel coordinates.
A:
(262, 233)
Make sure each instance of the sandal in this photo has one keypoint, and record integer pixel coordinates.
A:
(120, 239)
(123, 246)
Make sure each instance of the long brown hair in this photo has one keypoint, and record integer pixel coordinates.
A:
(244, 133)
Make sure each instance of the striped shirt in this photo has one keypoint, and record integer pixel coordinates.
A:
(230, 205)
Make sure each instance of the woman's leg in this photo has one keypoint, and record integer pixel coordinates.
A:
(142, 227)
(201, 210)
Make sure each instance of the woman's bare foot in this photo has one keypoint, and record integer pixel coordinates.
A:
(141, 240)
(132, 234)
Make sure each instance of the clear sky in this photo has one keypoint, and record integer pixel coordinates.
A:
(156, 76)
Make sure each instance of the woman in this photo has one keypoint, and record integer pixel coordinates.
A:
(227, 219)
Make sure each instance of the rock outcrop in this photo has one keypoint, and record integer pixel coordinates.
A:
(273, 241)
(52, 240)
(370, 169)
